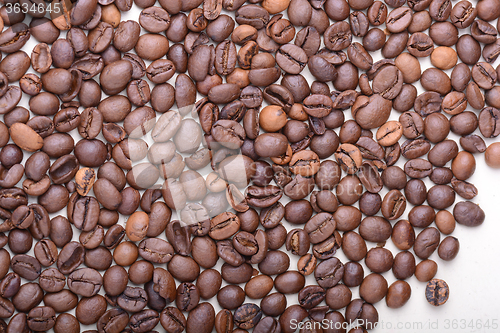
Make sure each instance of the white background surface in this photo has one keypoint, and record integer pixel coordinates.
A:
(472, 276)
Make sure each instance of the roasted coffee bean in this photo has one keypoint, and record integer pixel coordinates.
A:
(41, 318)
(440, 196)
(70, 257)
(398, 294)
(320, 227)
(253, 15)
(443, 152)
(375, 229)
(353, 246)
(448, 249)
(116, 318)
(172, 320)
(437, 292)
(373, 288)
(26, 266)
(133, 299)
(357, 309)
(85, 281)
(393, 205)
(468, 213)
(10, 285)
(224, 226)
(445, 222)
(418, 168)
(329, 272)
(338, 36)
(201, 319)
(28, 296)
(236, 238)
(230, 297)
(399, 19)
(187, 296)
(404, 265)
(488, 122)
(46, 252)
(426, 242)
(328, 247)
(247, 316)
(379, 260)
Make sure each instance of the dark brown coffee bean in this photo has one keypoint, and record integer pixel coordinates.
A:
(172, 320)
(187, 296)
(373, 288)
(354, 246)
(416, 191)
(488, 122)
(247, 316)
(422, 216)
(133, 299)
(468, 213)
(357, 309)
(404, 265)
(441, 196)
(426, 242)
(116, 318)
(70, 257)
(375, 229)
(379, 260)
(201, 319)
(253, 15)
(448, 249)
(464, 189)
(26, 266)
(13, 38)
(10, 285)
(46, 252)
(144, 320)
(418, 168)
(399, 19)
(155, 250)
(338, 36)
(398, 294)
(320, 227)
(393, 205)
(85, 281)
(41, 318)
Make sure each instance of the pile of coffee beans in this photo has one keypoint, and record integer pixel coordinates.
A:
(148, 164)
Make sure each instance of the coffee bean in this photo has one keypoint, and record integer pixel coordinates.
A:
(426, 242)
(369, 161)
(426, 270)
(132, 299)
(201, 319)
(468, 213)
(172, 320)
(404, 265)
(393, 205)
(85, 281)
(70, 257)
(398, 294)
(357, 309)
(10, 285)
(437, 292)
(247, 316)
(418, 168)
(320, 227)
(117, 318)
(41, 318)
